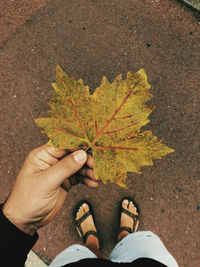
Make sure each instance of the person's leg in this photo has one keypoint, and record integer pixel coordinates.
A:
(143, 244)
(88, 232)
(134, 245)
(129, 220)
(72, 254)
(87, 229)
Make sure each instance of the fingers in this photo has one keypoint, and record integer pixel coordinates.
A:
(43, 157)
(76, 179)
(46, 156)
(90, 161)
(54, 152)
(69, 182)
(66, 167)
(84, 176)
(91, 183)
(87, 172)
(47, 153)
(57, 171)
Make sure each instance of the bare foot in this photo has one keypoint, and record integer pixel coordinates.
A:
(128, 220)
(87, 225)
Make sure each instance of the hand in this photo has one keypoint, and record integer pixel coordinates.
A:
(42, 184)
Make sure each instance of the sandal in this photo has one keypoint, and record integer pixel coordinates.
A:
(83, 218)
(130, 214)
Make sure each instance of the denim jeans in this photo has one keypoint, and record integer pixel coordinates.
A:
(142, 244)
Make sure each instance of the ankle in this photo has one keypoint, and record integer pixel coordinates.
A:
(122, 235)
(92, 241)
(93, 244)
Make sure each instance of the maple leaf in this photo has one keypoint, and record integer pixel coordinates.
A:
(108, 122)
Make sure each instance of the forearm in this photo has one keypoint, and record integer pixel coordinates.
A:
(14, 244)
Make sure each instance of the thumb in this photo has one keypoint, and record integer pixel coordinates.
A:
(65, 168)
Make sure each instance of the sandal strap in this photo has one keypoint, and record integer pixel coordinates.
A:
(89, 233)
(133, 216)
(78, 225)
(124, 228)
(80, 220)
(130, 214)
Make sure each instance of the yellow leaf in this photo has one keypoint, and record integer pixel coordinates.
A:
(108, 122)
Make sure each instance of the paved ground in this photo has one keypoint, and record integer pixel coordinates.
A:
(34, 261)
(90, 39)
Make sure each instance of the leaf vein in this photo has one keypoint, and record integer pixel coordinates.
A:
(113, 116)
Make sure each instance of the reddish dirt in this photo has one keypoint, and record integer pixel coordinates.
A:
(89, 39)
(14, 14)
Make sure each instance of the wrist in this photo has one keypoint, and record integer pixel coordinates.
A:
(27, 228)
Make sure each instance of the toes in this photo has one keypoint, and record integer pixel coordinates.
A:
(82, 210)
(132, 208)
(79, 213)
(125, 204)
(85, 207)
(129, 205)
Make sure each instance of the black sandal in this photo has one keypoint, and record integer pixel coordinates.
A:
(83, 218)
(130, 214)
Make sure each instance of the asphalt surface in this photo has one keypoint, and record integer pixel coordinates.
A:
(89, 39)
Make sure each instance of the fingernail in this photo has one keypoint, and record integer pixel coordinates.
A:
(79, 156)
